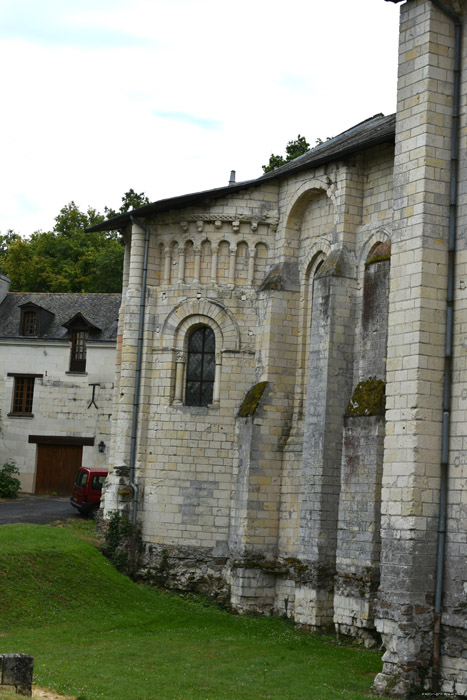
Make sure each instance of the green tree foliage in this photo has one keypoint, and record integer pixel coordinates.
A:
(5, 242)
(130, 200)
(293, 150)
(68, 259)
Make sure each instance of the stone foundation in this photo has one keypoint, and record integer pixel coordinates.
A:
(196, 570)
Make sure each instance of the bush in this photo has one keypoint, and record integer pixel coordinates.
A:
(9, 484)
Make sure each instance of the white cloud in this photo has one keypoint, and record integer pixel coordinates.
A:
(168, 96)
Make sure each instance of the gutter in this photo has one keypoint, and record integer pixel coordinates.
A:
(136, 396)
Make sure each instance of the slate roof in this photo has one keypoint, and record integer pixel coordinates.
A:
(101, 310)
(371, 132)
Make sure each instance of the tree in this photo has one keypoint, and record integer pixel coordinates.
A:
(293, 150)
(130, 200)
(68, 259)
(5, 241)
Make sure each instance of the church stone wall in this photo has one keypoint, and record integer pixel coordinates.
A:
(313, 285)
(416, 346)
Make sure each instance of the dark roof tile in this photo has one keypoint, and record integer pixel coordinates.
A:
(101, 310)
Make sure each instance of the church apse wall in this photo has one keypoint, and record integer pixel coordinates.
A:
(267, 283)
(292, 408)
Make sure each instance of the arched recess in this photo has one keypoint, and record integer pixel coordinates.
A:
(241, 263)
(182, 336)
(305, 195)
(174, 262)
(158, 264)
(375, 308)
(382, 235)
(182, 321)
(189, 261)
(261, 262)
(316, 255)
(206, 259)
(223, 262)
(190, 311)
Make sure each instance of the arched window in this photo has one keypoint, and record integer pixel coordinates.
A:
(201, 367)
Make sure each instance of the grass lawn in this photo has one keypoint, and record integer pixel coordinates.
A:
(95, 634)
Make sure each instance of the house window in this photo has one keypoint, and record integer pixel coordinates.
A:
(78, 351)
(201, 367)
(29, 323)
(23, 393)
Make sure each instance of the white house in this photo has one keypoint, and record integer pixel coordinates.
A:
(57, 360)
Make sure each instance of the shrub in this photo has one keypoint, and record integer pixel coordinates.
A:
(9, 484)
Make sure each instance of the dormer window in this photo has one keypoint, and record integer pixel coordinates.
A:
(34, 320)
(30, 324)
(78, 351)
(80, 330)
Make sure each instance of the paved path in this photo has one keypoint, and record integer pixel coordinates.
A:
(35, 509)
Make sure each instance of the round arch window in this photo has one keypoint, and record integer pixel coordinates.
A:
(201, 367)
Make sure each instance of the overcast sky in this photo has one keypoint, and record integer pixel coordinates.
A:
(168, 96)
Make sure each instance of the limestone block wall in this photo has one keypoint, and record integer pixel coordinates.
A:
(354, 205)
(204, 269)
(417, 303)
(358, 537)
(60, 402)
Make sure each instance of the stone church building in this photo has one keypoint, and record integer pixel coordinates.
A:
(290, 413)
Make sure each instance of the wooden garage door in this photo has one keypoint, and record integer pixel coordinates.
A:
(56, 468)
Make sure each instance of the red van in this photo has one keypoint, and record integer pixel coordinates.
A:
(86, 492)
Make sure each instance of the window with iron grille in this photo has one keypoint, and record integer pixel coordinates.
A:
(201, 367)
(23, 393)
(29, 324)
(78, 351)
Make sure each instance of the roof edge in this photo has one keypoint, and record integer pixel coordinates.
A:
(317, 156)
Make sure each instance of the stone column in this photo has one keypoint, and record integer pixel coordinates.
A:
(129, 330)
(179, 374)
(251, 265)
(214, 264)
(181, 266)
(217, 380)
(197, 270)
(410, 489)
(167, 261)
(118, 355)
(232, 260)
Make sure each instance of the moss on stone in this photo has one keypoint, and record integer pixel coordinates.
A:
(379, 253)
(251, 400)
(377, 259)
(368, 398)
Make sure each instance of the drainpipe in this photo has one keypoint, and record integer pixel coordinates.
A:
(139, 356)
(444, 467)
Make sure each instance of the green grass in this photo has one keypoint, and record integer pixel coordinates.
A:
(95, 634)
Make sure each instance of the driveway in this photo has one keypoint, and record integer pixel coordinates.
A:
(39, 510)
